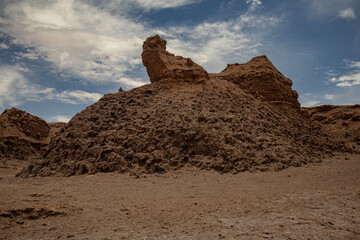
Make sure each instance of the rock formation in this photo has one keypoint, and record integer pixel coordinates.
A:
(23, 136)
(226, 122)
(341, 123)
(260, 78)
(164, 66)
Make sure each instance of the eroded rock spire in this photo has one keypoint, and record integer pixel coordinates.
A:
(164, 66)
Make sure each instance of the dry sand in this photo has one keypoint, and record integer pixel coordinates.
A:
(311, 202)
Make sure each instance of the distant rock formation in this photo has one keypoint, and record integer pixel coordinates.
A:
(23, 136)
(17, 123)
(164, 66)
(341, 123)
(226, 122)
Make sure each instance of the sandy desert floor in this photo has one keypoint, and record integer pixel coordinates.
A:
(310, 202)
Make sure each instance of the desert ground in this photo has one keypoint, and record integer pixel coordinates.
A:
(315, 201)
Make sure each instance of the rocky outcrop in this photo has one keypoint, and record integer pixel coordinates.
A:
(14, 122)
(341, 123)
(225, 122)
(260, 78)
(164, 66)
(22, 135)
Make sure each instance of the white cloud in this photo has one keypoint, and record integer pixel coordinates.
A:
(89, 42)
(30, 54)
(59, 118)
(338, 96)
(329, 96)
(22, 68)
(16, 89)
(349, 79)
(126, 6)
(72, 97)
(158, 4)
(328, 8)
(214, 44)
(330, 73)
(308, 103)
(354, 64)
(10, 77)
(347, 14)
(254, 4)
(135, 82)
(77, 38)
(3, 46)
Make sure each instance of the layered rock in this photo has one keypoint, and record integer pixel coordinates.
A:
(15, 122)
(225, 122)
(22, 135)
(260, 78)
(164, 66)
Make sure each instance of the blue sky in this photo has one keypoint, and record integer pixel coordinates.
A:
(57, 57)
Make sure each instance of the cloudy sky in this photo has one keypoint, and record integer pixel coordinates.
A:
(59, 56)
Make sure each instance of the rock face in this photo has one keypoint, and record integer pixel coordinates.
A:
(226, 122)
(22, 135)
(341, 123)
(14, 122)
(164, 66)
(260, 78)
(55, 127)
